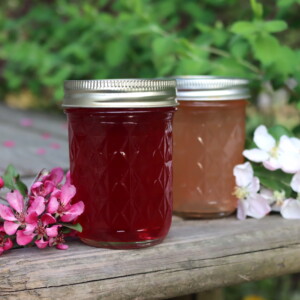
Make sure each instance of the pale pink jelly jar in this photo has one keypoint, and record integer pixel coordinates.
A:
(209, 137)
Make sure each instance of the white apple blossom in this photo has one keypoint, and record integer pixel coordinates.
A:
(274, 198)
(290, 208)
(284, 154)
(250, 203)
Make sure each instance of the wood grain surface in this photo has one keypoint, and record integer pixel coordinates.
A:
(48, 134)
(197, 255)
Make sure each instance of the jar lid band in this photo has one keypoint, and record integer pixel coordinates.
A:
(120, 93)
(211, 88)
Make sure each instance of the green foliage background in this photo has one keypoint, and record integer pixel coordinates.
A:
(46, 42)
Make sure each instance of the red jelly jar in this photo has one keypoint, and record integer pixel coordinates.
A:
(120, 139)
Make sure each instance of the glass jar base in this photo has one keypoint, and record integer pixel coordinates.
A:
(122, 245)
(203, 215)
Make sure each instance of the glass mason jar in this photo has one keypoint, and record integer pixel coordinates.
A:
(120, 139)
(209, 138)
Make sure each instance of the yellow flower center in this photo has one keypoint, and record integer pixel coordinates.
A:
(240, 192)
(279, 197)
(274, 152)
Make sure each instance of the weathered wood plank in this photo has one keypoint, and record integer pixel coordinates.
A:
(31, 151)
(41, 121)
(197, 256)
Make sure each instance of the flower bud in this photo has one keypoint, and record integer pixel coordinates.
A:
(1, 183)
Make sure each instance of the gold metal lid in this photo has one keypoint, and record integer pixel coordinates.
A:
(120, 93)
(211, 88)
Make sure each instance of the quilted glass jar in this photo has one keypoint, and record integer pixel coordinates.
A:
(120, 138)
(209, 137)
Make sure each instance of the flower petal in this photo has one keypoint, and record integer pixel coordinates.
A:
(37, 205)
(53, 231)
(52, 205)
(263, 139)
(31, 218)
(287, 145)
(258, 207)
(254, 186)
(295, 183)
(67, 193)
(47, 219)
(74, 211)
(30, 228)
(290, 162)
(56, 193)
(242, 209)
(11, 227)
(41, 243)
(62, 246)
(272, 164)
(290, 209)
(56, 175)
(243, 174)
(256, 155)
(48, 188)
(23, 238)
(35, 188)
(6, 213)
(15, 200)
(8, 244)
(268, 195)
(68, 178)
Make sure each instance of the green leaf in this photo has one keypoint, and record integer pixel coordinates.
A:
(275, 26)
(9, 176)
(243, 28)
(116, 52)
(265, 48)
(163, 46)
(287, 3)
(257, 9)
(12, 180)
(285, 62)
(76, 227)
(274, 180)
(188, 66)
(21, 187)
(278, 130)
(239, 48)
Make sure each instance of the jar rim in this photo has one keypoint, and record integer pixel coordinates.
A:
(120, 93)
(211, 88)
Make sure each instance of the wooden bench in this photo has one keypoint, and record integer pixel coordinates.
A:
(197, 255)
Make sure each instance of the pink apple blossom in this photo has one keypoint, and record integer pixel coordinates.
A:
(56, 175)
(60, 205)
(41, 232)
(59, 242)
(16, 215)
(42, 215)
(5, 242)
(47, 182)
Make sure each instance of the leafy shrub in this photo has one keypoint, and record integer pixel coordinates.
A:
(46, 42)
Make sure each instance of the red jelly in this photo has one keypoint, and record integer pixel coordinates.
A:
(121, 165)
